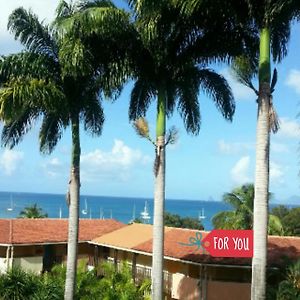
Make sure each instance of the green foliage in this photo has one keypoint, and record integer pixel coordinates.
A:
(17, 284)
(174, 220)
(241, 200)
(289, 289)
(118, 284)
(289, 218)
(33, 212)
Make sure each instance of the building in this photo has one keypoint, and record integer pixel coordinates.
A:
(37, 244)
(189, 272)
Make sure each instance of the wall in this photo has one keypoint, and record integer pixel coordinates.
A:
(228, 290)
(3, 265)
(34, 264)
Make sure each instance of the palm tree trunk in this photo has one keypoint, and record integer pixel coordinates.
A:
(261, 201)
(73, 213)
(159, 201)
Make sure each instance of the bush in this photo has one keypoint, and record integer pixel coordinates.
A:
(17, 284)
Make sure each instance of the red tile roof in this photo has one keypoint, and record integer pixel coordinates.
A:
(279, 249)
(40, 231)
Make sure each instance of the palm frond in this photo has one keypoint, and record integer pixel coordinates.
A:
(34, 35)
(93, 116)
(27, 64)
(216, 86)
(280, 36)
(141, 127)
(77, 58)
(64, 10)
(31, 92)
(50, 132)
(274, 80)
(95, 20)
(15, 129)
(141, 95)
(188, 104)
(244, 72)
(273, 117)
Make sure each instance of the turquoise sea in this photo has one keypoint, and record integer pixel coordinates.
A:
(119, 208)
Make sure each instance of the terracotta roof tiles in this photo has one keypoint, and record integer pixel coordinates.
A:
(40, 231)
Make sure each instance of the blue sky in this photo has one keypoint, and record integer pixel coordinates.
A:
(119, 163)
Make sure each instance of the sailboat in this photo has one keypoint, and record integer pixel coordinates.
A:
(101, 214)
(11, 208)
(60, 212)
(202, 215)
(145, 214)
(133, 215)
(85, 210)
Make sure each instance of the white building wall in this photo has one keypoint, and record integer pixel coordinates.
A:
(34, 264)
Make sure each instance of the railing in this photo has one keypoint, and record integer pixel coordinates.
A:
(139, 274)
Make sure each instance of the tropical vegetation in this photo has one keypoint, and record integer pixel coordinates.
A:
(19, 284)
(241, 200)
(32, 212)
(166, 48)
(290, 287)
(289, 218)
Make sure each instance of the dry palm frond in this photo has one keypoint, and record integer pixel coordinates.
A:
(172, 136)
(141, 127)
(273, 117)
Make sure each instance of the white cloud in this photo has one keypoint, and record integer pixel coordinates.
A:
(276, 173)
(240, 91)
(10, 161)
(233, 148)
(54, 168)
(289, 128)
(239, 172)
(293, 80)
(115, 164)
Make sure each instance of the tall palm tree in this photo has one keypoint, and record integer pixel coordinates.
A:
(241, 200)
(272, 20)
(164, 70)
(33, 212)
(64, 90)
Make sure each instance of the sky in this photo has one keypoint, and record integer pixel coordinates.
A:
(120, 163)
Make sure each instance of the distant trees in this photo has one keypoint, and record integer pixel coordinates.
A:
(174, 220)
(32, 212)
(289, 219)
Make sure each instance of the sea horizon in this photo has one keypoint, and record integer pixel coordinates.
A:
(123, 209)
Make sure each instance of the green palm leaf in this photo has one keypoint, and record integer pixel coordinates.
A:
(216, 86)
(31, 33)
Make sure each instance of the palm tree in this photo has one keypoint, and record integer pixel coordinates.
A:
(64, 90)
(241, 216)
(164, 70)
(33, 212)
(272, 20)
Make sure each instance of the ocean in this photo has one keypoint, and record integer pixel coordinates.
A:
(96, 207)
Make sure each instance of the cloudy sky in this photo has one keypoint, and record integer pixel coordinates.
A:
(119, 163)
